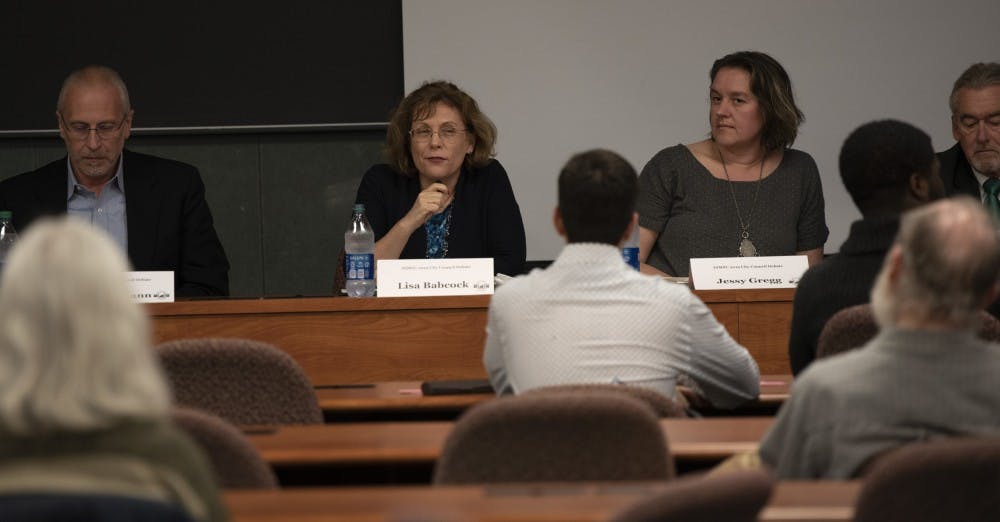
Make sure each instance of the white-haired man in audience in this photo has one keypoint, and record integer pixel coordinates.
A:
(925, 375)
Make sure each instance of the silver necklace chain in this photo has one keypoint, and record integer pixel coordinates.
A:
(745, 243)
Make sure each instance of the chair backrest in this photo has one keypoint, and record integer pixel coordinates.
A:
(854, 326)
(65, 507)
(989, 327)
(662, 405)
(555, 437)
(951, 479)
(234, 459)
(848, 329)
(733, 497)
(243, 381)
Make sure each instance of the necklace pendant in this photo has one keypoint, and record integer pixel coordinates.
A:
(747, 249)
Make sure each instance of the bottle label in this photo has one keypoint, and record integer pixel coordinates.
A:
(359, 266)
(631, 256)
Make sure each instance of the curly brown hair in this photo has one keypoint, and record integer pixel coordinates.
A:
(419, 105)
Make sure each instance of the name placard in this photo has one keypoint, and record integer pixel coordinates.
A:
(151, 287)
(420, 277)
(734, 273)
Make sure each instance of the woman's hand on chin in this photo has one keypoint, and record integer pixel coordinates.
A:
(432, 200)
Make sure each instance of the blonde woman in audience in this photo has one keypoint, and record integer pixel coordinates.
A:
(83, 404)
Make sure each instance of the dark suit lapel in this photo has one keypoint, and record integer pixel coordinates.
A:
(965, 179)
(50, 192)
(957, 174)
(142, 209)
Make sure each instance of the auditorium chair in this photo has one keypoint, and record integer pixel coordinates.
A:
(848, 329)
(733, 497)
(662, 405)
(234, 459)
(989, 329)
(854, 326)
(590, 436)
(243, 381)
(945, 479)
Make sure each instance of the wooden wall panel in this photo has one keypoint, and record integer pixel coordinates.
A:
(347, 341)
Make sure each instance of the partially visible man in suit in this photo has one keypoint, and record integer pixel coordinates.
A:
(154, 208)
(888, 167)
(972, 166)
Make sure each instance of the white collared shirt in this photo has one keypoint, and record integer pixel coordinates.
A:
(590, 318)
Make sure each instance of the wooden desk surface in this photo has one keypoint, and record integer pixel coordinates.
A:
(393, 395)
(397, 396)
(821, 500)
(709, 439)
(774, 389)
(339, 340)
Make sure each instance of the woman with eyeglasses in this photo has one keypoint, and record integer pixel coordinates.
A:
(443, 194)
(742, 191)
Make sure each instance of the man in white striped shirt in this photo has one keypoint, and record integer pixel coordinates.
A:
(591, 318)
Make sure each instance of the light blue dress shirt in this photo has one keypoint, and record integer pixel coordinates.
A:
(105, 211)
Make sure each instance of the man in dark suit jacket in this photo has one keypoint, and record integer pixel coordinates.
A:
(154, 208)
(975, 124)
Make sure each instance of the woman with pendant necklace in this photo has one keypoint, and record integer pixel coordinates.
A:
(742, 191)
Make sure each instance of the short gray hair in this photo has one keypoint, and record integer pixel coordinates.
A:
(977, 76)
(94, 75)
(75, 350)
(951, 261)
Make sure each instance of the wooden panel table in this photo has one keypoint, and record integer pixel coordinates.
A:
(339, 340)
(403, 399)
(387, 443)
(807, 501)
(758, 319)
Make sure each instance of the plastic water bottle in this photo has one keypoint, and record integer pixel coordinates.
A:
(359, 255)
(630, 250)
(8, 236)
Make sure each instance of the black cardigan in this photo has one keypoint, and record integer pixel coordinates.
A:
(485, 220)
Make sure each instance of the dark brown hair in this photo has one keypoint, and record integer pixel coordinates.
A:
(597, 194)
(420, 104)
(770, 84)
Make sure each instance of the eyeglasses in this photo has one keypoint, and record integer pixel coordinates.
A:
(969, 124)
(105, 130)
(448, 134)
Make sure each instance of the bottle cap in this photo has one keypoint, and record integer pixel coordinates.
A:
(359, 207)
(6, 214)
